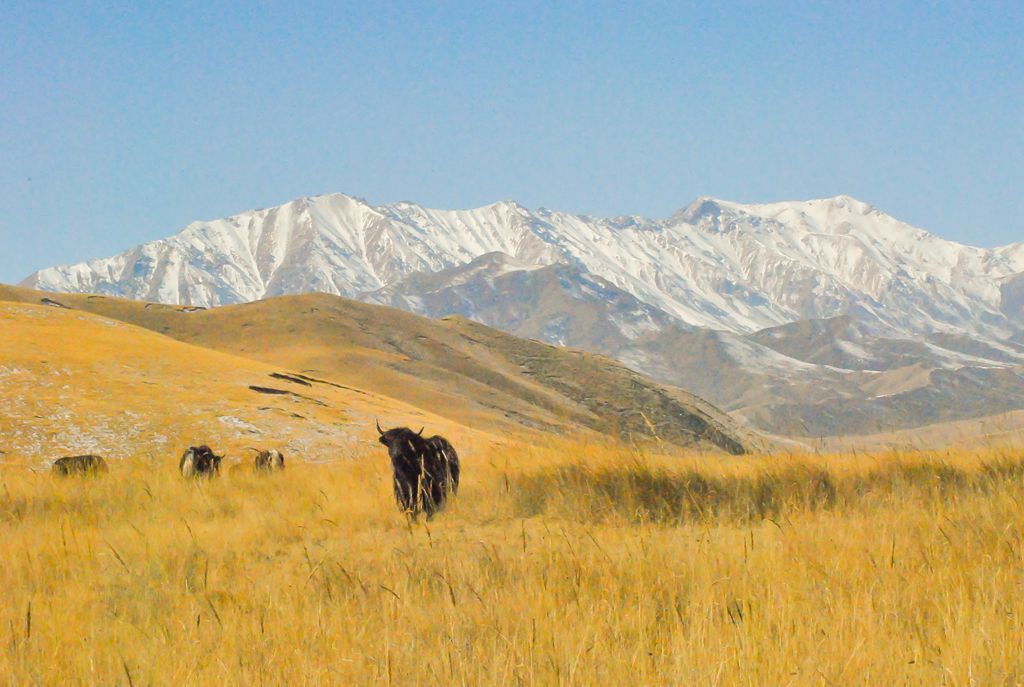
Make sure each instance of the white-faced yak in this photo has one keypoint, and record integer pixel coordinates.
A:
(426, 470)
(269, 461)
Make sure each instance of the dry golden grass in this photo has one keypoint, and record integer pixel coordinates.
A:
(571, 564)
(73, 382)
(452, 371)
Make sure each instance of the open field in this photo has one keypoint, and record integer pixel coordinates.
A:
(567, 560)
(73, 382)
(566, 564)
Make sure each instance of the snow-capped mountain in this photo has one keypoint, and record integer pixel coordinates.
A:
(814, 317)
(714, 264)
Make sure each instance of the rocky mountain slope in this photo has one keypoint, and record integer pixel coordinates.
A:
(786, 313)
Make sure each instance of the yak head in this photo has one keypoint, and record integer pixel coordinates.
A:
(401, 441)
(206, 459)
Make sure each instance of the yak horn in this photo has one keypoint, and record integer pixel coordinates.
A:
(420, 433)
(378, 428)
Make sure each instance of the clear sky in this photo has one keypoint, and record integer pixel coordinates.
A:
(122, 122)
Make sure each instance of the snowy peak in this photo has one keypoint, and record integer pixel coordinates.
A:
(834, 207)
(823, 210)
(826, 313)
(715, 263)
(701, 208)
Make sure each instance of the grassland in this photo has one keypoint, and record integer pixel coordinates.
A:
(72, 382)
(566, 564)
(565, 561)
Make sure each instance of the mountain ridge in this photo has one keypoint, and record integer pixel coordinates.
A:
(714, 263)
(770, 310)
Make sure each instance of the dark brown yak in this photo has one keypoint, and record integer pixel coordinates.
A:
(79, 465)
(199, 461)
(426, 470)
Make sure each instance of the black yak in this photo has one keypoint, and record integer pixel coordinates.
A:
(199, 461)
(426, 470)
(79, 465)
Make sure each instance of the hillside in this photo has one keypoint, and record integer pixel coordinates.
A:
(72, 382)
(810, 378)
(801, 317)
(469, 374)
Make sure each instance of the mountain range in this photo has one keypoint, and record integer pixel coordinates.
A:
(807, 318)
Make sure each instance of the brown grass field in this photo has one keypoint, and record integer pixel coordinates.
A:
(570, 564)
(565, 561)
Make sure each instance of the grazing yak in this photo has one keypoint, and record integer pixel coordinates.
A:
(265, 462)
(79, 465)
(199, 461)
(269, 461)
(426, 470)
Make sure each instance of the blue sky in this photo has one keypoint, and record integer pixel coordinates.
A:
(121, 123)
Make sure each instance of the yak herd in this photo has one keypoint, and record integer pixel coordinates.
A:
(425, 470)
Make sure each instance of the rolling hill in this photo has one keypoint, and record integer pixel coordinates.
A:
(323, 353)
(73, 382)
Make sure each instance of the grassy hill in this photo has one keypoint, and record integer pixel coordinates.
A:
(413, 370)
(72, 381)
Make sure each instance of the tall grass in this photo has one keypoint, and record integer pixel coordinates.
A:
(562, 565)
